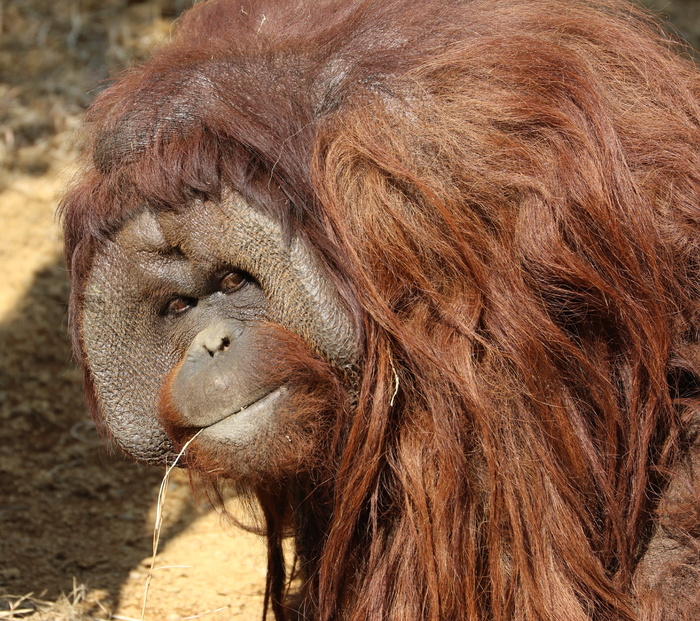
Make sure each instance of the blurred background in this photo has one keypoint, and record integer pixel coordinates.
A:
(76, 520)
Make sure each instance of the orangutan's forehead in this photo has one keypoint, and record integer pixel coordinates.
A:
(142, 232)
(200, 223)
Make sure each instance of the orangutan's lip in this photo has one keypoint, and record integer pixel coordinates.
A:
(254, 412)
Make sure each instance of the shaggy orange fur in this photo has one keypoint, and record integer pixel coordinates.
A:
(507, 192)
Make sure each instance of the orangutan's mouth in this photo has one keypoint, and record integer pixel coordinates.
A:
(253, 414)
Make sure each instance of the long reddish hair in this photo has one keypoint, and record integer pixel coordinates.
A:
(507, 192)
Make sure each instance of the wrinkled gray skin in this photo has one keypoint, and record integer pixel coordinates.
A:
(133, 340)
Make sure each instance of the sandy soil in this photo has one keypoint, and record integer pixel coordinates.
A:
(75, 518)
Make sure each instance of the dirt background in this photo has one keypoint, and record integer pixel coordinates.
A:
(76, 520)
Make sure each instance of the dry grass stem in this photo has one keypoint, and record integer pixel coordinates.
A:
(162, 492)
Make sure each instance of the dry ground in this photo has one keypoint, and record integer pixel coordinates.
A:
(76, 519)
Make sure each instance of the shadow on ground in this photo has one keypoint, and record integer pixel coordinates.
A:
(70, 508)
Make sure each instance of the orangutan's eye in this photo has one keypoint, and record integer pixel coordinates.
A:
(179, 306)
(231, 282)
